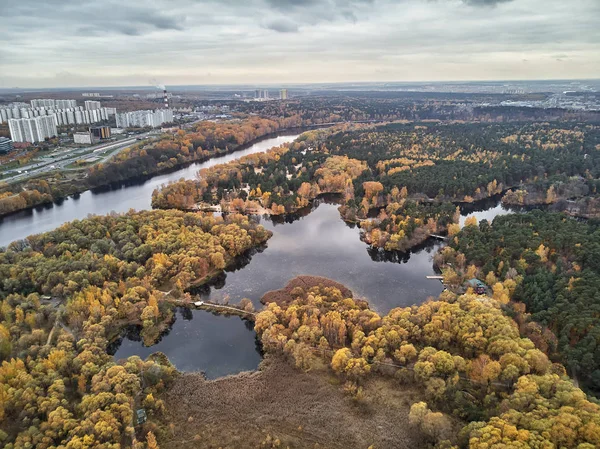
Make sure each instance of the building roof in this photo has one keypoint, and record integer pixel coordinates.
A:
(476, 283)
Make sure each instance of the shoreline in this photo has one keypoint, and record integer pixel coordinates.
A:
(145, 177)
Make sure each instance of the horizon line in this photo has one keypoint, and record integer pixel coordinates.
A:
(299, 84)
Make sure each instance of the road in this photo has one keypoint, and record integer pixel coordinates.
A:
(104, 150)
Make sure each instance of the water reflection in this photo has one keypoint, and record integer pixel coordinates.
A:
(486, 209)
(313, 241)
(118, 198)
(316, 241)
(198, 341)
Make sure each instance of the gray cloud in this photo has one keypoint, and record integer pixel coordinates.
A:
(291, 4)
(281, 26)
(108, 42)
(96, 16)
(485, 2)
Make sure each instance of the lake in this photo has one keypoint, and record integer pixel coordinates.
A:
(218, 345)
(320, 243)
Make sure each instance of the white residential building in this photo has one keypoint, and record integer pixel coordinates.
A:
(95, 115)
(65, 104)
(141, 119)
(53, 104)
(40, 103)
(83, 138)
(91, 104)
(32, 130)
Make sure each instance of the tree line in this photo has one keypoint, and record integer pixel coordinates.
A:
(548, 265)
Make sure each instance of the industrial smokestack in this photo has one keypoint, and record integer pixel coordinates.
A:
(164, 89)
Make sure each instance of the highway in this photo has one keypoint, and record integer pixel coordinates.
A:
(104, 151)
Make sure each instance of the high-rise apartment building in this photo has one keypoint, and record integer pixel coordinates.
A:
(283, 94)
(66, 104)
(142, 119)
(91, 105)
(95, 115)
(43, 103)
(53, 104)
(32, 130)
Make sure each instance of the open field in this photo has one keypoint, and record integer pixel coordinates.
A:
(302, 410)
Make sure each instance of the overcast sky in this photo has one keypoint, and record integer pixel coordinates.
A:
(59, 43)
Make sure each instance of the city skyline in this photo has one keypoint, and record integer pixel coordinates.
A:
(187, 42)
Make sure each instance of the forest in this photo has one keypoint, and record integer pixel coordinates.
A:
(333, 106)
(463, 352)
(207, 139)
(575, 195)
(65, 294)
(546, 266)
(491, 369)
(399, 181)
(39, 192)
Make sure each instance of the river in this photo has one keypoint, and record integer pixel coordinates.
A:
(132, 195)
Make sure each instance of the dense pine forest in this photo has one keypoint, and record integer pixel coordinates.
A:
(549, 265)
(411, 174)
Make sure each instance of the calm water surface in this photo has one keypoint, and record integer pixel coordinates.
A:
(119, 199)
(486, 209)
(322, 244)
(315, 242)
(199, 341)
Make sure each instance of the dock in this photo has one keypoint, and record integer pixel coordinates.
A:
(439, 278)
(439, 237)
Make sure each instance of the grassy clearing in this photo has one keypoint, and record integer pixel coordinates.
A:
(280, 406)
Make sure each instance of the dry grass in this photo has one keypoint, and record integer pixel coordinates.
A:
(301, 410)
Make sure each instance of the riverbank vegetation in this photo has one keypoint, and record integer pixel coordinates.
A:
(468, 359)
(63, 296)
(12, 200)
(398, 180)
(547, 263)
(204, 140)
(578, 196)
